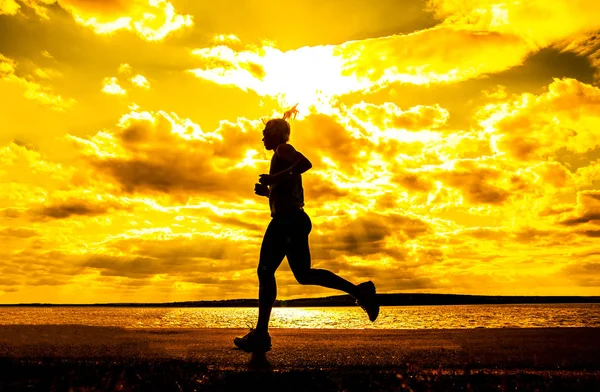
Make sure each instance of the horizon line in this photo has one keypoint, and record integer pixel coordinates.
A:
(338, 297)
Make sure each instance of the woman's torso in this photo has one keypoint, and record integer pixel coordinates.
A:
(288, 194)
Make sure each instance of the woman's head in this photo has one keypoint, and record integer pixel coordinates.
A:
(277, 130)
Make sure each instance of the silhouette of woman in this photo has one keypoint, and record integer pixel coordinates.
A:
(287, 235)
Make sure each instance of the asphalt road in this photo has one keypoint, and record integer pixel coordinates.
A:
(559, 349)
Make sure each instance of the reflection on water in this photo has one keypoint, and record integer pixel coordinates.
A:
(394, 317)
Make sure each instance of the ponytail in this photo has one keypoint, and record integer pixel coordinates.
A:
(292, 112)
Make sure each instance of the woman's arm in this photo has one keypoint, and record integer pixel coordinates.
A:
(300, 165)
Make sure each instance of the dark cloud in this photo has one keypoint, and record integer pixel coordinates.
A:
(167, 160)
(594, 195)
(484, 233)
(393, 147)
(534, 129)
(474, 181)
(38, 266)
(9, 282)
(425, 117)
(238, 222)
(46, 281)
(166, 176)
(203, 279)
(400, 281)
(177, 253)
(19, 232)
(175, 257)
(318, 190)
(552, 210)
(140, 267)
(323, 136)
(236, 138)
(541, 68)
(10, 213)
(413, 181)
(586, 274)
(70, 208)
(585, 218)
(591, 233)
(537, 71)
(530, 234)
(388, 115)
(365, 235)
(573, 160)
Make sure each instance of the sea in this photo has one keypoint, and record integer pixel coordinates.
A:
(390, 317)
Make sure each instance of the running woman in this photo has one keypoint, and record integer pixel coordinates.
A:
(287, 235)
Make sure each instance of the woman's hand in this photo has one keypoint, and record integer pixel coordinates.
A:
(261, 190)
(266, 179)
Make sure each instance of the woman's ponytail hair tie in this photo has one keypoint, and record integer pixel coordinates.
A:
(282, 125)
(292, 112)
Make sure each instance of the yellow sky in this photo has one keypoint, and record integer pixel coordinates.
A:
(455, 145)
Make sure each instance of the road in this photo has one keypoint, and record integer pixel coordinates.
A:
(548, 349)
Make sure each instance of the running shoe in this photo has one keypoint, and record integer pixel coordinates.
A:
(253, 342)
(368, 300)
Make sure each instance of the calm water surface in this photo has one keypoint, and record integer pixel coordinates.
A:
(394, 317)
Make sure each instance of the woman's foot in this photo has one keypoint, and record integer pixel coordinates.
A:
(368, 300)
(254, 342)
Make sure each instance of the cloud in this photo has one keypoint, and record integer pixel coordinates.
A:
(9, 7)
(314, 75)
(149, 254)
(585, 218)
(568, 25)
(388, 116)
(591, 233)
(587, 45)
(34, 89)
(479, 37)
(137, 267)
(12, 7)
(414, 182)
(588, 209)
(151, 20)
(585, 273)
(67, 209)
(366, 235)
(531, 127)
(140, 81)
(10, 213)
(538, 22)
(406, 187)
(20, 232)
(159, 152)
(110, 85)
(474, 182)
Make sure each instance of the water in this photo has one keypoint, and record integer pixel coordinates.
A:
(391, 317)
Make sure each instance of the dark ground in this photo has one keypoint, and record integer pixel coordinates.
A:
(80, 358)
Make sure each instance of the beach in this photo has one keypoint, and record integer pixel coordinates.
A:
(84, 358)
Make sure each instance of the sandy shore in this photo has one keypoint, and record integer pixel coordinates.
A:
(101, 358)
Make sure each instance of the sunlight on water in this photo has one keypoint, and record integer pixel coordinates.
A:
(394, 317)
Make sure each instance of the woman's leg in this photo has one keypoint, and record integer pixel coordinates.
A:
(298, 255)
(272, 253)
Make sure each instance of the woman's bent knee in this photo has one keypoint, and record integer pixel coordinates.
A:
(304, 279)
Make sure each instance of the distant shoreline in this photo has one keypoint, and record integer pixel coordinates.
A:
(346, 300)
